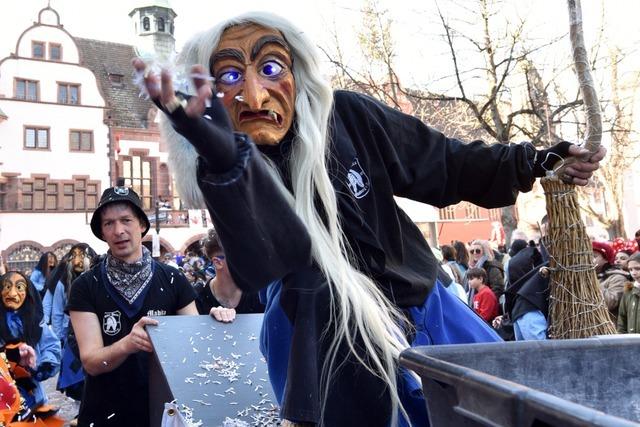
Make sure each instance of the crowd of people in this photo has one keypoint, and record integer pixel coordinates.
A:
(299, 181)
(510, 289)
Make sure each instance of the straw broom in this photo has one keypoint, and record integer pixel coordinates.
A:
(576, 304)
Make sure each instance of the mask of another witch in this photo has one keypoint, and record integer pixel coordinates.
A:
(14, 291)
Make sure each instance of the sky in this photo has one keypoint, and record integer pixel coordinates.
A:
(420, 53)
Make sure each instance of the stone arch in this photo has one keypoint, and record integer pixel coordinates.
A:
(165, 246)
(61, 247)
(22, 255)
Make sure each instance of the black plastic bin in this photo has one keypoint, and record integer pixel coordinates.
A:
(586, 382)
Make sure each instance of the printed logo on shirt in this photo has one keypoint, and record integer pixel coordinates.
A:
(111, 322)
(156, 312)
(357, 180)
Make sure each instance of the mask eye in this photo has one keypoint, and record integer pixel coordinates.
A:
(271, 69)
(229, 77)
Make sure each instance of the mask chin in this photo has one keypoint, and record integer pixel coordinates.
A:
(13, 305)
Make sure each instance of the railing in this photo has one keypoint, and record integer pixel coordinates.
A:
(170, 218)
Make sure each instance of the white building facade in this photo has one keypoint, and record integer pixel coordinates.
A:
(71, 122)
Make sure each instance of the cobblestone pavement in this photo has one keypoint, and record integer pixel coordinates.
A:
(68, 410)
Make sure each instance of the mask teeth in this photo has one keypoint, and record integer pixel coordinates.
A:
(273, 115)
(220, 95)
(239, 98)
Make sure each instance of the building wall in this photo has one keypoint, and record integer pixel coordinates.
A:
(58, 162)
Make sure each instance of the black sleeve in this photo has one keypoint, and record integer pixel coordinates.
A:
(80, 298)
(426, 166)
(263, 238)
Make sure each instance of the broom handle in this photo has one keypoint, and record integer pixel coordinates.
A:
(593, 136)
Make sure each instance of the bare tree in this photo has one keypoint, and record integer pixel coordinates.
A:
(618, 118)
(515, 101)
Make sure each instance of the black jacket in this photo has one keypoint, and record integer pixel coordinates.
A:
(377, 153)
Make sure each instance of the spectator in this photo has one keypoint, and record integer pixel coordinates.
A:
(629, 310)
(449, 260)
(75, 262)
(611, 279)
(47, 263)
(221, 291)
(527, 296)
(621, 259)
(448, 264)
(485, 302)
(462, 256)
(482, 257)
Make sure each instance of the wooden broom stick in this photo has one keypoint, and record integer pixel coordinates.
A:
(576, 304)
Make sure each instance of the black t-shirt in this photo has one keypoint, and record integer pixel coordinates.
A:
(121, 397)
(249, 302)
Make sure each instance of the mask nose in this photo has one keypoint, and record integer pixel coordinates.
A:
(254, 94)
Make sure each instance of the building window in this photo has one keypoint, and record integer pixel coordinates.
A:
(80, 195)
(137, 173)
(37, 50)
(448, 213)
(115, 79)
(27, 89)
(68, 93)
(80, 140)
(34, 194)
(36, 138)
(146, 26)
(472, 211)
(51, 202)
(160, 23)
(3, 196)
(55, 52)
(171, 28)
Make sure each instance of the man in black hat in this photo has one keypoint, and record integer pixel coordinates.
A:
(109, 306)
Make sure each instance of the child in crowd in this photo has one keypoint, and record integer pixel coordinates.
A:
(485, 302)
(629, 310)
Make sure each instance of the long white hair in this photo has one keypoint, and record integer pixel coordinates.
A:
(358, 307)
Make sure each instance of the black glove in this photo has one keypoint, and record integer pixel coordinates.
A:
(211, 135)
(546, 159)
(45, 370)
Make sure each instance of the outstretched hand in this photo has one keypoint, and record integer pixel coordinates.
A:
(207, 128)
(161, 91)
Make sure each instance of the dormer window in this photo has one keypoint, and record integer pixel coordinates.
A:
(146, 26)
(171, 27)
(55, 52)
(37, 50)
(116, 79)
(160, 23)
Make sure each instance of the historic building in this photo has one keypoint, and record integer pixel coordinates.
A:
(71, 122)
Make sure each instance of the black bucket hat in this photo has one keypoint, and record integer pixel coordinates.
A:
(118, 194)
